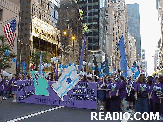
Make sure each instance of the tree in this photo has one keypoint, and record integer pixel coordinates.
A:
(35, 58)
(5, 60)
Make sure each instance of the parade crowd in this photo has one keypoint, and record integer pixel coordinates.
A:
(143, 94)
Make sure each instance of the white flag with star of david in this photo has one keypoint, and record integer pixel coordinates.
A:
(66, 81)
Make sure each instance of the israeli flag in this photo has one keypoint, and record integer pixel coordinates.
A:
(66, 81)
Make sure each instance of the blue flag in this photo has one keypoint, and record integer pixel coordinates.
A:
(40, 69)
(82, 55)
(123, 62)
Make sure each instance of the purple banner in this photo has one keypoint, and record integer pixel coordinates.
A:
(83, 95)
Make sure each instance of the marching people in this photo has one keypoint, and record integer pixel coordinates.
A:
(141, 95)
(122, 91)
(150, 87)
(6, 87)
(1, 87)
(14, 87)
(155, 98)
(101, 93)
(108, 82)
(114, 95)
(130, 94)
(161, 96)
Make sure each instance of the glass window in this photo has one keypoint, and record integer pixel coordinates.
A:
(1, 12)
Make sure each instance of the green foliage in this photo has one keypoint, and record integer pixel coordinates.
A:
(5, 60)
(35, 58)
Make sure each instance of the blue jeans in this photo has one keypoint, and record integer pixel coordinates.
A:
(141, 105)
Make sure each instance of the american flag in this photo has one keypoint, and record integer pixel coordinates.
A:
(9, 30)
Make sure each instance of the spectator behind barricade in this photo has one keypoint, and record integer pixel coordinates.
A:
(141, 95)
(14, 87)
(114, 95)
(122, 91)
(150, 86)
(1, 88)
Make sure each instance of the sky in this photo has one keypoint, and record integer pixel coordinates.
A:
(150, 29)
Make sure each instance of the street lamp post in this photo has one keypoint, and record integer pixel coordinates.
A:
(73, 39)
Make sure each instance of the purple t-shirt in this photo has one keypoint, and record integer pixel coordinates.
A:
(114, 87)
(156, 87)
(141, 87)
(7, 85)
(122, 89)
(100, 85)
(154, 80)
(150, 88)
(1, 85)
(108, 87)
(14, 82)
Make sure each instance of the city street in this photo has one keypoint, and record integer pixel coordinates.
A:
(10, 111)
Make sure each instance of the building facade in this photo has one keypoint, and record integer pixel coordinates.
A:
(134, 25)
(9, 10)
(36, 32)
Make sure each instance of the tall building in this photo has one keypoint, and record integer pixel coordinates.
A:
(9, 10)
(156, 60)
(94, 17)
(134, 25)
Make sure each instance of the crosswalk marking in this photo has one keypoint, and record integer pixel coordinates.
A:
(34, 114)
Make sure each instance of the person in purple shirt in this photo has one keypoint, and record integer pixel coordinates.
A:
(6, 86)
(161, 96)
(114, 95)
(141, 95)
(100, 93)
(108, 82)
(150, 87)
(130, 94)
(122, 91)
(1, 87)
(14, 87)
(155, 99)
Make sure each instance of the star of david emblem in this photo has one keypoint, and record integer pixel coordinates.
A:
(68, 80)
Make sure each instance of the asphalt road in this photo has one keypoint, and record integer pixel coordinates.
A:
(23, 112)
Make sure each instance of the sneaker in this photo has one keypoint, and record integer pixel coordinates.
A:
(4, 98)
